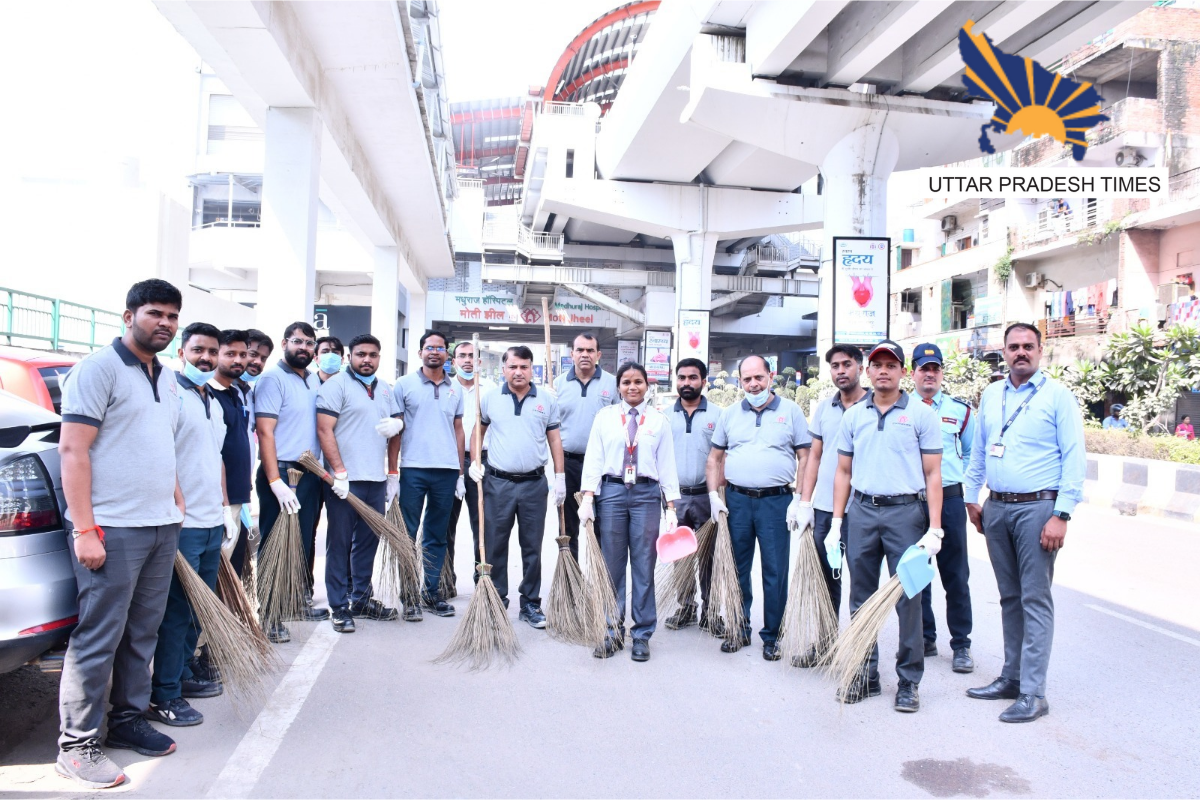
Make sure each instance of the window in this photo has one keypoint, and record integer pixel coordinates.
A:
(216, 213)
(983, 227)
(910, 301)
(570, 163)
(906, 258)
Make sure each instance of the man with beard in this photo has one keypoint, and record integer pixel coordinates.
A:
(258, 349)
(201, 479)
(816, 496)
(693, 422)
(236, 448)
(466, 362)
(285, 414)
(430, 462)
(1029, 450)
(358, 425)
(120, 412)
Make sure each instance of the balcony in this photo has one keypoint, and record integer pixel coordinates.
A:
(804, 253)
(1051, 231)
(1073, 325)
(513, 237)
(1179, 207)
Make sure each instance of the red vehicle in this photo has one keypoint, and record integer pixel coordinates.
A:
(35, 375)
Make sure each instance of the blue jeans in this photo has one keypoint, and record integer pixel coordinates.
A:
(350, 545)
(764, 519)
(956, 573)
(180, 630)
(431, 491)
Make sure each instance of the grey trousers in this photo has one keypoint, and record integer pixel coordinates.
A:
(1024, 574)
(506, 503)
(875, 533)
(121, 606)
(628, 519)
(693, 510)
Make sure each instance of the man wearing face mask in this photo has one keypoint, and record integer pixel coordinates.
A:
(466, 362)
(202, 480)
(760, 446)
(358, 425)
(330, 354)
(285, 413)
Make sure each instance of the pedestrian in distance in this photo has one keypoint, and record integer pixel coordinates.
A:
(1029, 452)
(889, 471)
(206, 524)
(522, 426)
(431, 465)
(466, 366)
(628, 472)
(760, 449)
(120, 410)
(956, 419)
(1184, 429)
(816, 506)
(1114, 421)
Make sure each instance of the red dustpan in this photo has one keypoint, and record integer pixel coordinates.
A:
(676, 544)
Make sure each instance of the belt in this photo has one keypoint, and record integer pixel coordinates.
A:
(887, 499)
(953, 490)
(517, 477)
(638, 479)
(770, 491)
(1024, 497)
(692, 491)
(572, 456)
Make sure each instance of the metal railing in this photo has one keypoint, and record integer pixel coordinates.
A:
(227, 223)
(1049, 227)
(31, 318)
(778, 257)
(515, 237)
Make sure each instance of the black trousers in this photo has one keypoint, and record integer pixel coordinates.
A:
(507, 503)
(693, 510)
(471, 501)
(956, 574)
(574, 470)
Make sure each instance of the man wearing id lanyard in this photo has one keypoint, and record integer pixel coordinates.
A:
(1029, 451)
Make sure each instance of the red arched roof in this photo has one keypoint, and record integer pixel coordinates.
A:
(601, 52)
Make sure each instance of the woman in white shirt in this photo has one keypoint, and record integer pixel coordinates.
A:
(628, 470)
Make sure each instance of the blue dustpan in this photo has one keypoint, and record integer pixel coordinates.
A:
(915, 570)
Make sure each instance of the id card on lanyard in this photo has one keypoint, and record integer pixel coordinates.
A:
(997, 450)
(630, 448)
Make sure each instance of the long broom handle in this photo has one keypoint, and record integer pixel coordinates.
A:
(477, 434)
(546, 326)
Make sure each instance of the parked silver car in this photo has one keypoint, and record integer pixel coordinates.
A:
(38, 606)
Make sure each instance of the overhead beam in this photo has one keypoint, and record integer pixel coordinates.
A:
(864, 34)
(776, 33)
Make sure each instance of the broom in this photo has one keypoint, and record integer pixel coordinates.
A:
(725, 594)
(282, 568)
(599, 582)
(233, 647)
(233, 595)
(401, 575)
(486, 631)
(571, 613)
(852, 651)
(810, 623)
(408, 570)
(676, 581)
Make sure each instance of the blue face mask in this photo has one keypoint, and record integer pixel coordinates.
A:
(366, 379)
(329, 363)
(195, 374)
(760, 399)
(466, 376)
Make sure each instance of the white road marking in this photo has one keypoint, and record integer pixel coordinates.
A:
(266, 733)
(1148, 626)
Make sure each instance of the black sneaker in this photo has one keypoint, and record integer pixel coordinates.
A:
(194, 688)
(438, 607)
(89, 767)
(682, 618)
(201, 667)
(861, 689)
(137, 735)
(732, 647)
(373, 609)
(412, 613)
(930, 648)
(342, 621)
(175, 712)
(907, 699)
(533, 615)
(771, 652)
(810, 659)
(278, 633)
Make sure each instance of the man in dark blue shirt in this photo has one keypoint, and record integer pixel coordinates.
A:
(235, 451)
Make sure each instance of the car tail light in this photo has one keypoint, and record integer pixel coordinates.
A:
(27, 503)
(49, 626)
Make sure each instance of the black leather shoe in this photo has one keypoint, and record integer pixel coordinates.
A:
(930, 648)
(713, 625)
(732, 647)
(999, 689)
(963, 661)
(682, 618)
(771, 652)
(278, 633)
(342, 621)
(373, 609)
(1027, 708)
(907, 699)
(641, 650)
(412, 613)
(438, 608)
(860, 690)
(310, 614)
(610, 648)
(196, 688)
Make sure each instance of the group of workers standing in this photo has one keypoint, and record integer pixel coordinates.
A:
(153, 466)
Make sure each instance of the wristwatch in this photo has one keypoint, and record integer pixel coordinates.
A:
(1064, 516)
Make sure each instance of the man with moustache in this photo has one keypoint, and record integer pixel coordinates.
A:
(285, 414)
(258, 350)
(466, 362)
(236, 451)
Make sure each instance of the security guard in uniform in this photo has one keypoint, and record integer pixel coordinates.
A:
(957, 420)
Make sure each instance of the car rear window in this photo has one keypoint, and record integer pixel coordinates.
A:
(53, 377)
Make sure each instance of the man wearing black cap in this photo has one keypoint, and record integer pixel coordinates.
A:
(889, 470)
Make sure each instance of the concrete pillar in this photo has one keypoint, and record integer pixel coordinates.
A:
(416, 323)
(855, 174)
(694, 253)
(291, 179)
(385, 309)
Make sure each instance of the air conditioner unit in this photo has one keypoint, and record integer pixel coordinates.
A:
(949, 223)
(1129, 157)
(1033, 280)
(1172, 292)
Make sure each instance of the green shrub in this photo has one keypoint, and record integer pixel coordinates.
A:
(1137, 445)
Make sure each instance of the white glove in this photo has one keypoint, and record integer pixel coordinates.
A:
(716, 505)
(460, 488)
(288, 502)
(389, 427)
(560, 488)
(799, 514)
(393, 487)
(670, 519)
(932, 541)
(476, 471)
(833, 544)
(587, 508)
(233, 526)
(341, 484)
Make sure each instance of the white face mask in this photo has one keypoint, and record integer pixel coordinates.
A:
(759, 399)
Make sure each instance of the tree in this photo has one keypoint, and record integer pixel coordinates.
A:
(1151, 374)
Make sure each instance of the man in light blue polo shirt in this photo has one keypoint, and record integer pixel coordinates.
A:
(431, 451)
(889, 461)
(1029, 451)
(957, 421)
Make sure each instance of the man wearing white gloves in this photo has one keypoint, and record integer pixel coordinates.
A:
(889, 470)
(358, 425)
(522, 428)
